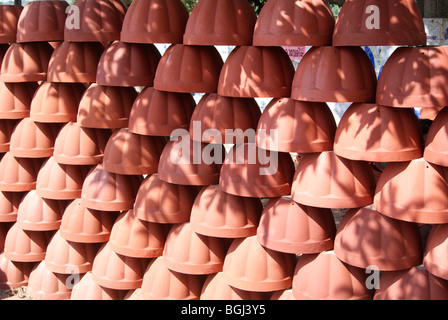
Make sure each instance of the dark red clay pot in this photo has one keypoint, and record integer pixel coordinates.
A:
(88, 289)
(6, 129)
(182, 69)
(154, 21)
(329, 181)
(220, 22)
(370, 132)
(16, 99)
(26, 62)
(128, 65)
(219, 214)
(9, 206)
(158, 201)
(106, 107)
(435, 258)
(354, 28)
(249, 171)
(8, 27)
(436, 143)
(106, 191)
(414, 191)
(13, 275)
(335, 74)
(414, 77)
(215, 112)
(289, 227)
(294, 23)
(251, 72)
(159, 113)
(44, 284)
(42, 21)
(18, 174)
(301, 127)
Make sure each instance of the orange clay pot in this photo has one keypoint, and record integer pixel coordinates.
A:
(435, 148)
(9, 205)
(88, 289)
(6, 129)
(18, 174)
(16, 99)
(44, 284)
(8, 28)
(435, 259)
(13, 275)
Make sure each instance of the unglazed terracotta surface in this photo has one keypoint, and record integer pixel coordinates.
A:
(8, 28)
(44, 284)
(435, 259)
(436, 140)
(18, 174)
(16, 99)
(9, 205)
(88, 289)
(13, 275)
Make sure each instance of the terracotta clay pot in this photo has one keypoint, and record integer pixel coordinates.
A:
(106, 107)
(249, 171)
(162, 202)
(161, 283)
(84, 225)
(189, 252)
(56, 102)
(159, 113)
(329, 181)
(132, 154)
(106, 191)
(221, 22)
(44, 284)
(435, 259)
(289, 227)
(324, 277)
(414, 191)
(60, 181)
(76, 145)
(6, 128)
(26, 62)
(9, 205)
(250, 266)
(4, 228)
(18, 174)
(181, 69)
(13, 275)
(283, 295)
(435, 147)
(115, 271)
(414, 76)
(251, 72)
(154, 21)
(39, 214)
(33, 140)
(94, 21)
(335, 74)
(430, 113)
(42, 21)
(16, 99)
(379, 235)
(137, 238)
(294, 23)
(128, 65)
(218, 113)
(413, 284)
(8, 28)
(219, 214)
(354, 27)
(74, 62)
(301, 127)
(371, 132)
(88, 289)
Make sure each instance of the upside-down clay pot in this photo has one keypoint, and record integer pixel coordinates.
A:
(158, 201)
(60, 181)
(329, 181)
(435, 148)
(430, 113)
(300, 126)
(251, 72)
(13, 274)
(38, 214)
(33, 140)
(387, 243)
(289, 227)
(115, 271)
(73, 62)
(335, 74)
(106, 107)
(8, 27)
(414, 76)
(189, 69)
(128, 65)
(159, 113)
(137, 238)
(219, 214)
(106, 191)
(435, 258)
(220, 22)
(94, 21)
(6, 128)
(154, 21)
(250, 266)
(9, 205)
(26, 62)
(415, 191)
(370, 132)
(249, 171)
(189, 252)
(16, 99)
(84, 225)
(215, 114)
(43, 284)
(56, 102)
(88, 289)
(42, 21)
(18, 174)
(294, 23)
(413, 284)
(354, 26)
